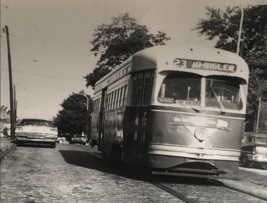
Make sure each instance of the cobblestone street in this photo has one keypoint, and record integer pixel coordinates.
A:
(70, 173)
(74, 173)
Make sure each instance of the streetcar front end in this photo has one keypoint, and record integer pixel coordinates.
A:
(197, 116)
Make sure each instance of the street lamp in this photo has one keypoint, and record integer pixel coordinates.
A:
(87, 108)
(240, 28)
(87, 99)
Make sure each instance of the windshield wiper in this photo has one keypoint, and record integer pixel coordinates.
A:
(220, 103)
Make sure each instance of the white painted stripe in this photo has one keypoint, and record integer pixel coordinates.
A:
(194, 156)
(95, 155)
(194, 152)
(187, 113)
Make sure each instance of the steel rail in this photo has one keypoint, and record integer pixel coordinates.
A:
(172, 192)
(6, 152)
(218, 183)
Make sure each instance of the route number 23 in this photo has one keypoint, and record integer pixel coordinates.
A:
(180, 63)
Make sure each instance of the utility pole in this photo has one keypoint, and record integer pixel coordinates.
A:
(15, 109)
(10, 85)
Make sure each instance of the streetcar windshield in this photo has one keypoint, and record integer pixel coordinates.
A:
(184, 89)
(223, 94)
(181, 88)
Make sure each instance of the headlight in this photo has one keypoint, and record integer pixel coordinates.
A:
(201, 134)
(19, 129)
(53, 130)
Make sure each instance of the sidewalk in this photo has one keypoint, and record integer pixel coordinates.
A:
(5, 144)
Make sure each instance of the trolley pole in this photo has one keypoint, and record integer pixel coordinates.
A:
(10, 85)
(240, 30)
(258, 115)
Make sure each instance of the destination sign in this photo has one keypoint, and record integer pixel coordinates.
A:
(204, 65)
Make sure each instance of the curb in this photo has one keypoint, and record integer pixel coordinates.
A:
(6, 152)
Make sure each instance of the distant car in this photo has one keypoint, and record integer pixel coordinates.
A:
(79, 139)
(254, 149)
(62, 140)
(33, 130)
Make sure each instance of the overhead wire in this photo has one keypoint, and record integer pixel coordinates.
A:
(42, 75)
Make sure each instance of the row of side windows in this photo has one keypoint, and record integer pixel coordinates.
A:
(117, 98)
(96, 105)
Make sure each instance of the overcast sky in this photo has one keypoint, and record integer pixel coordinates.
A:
(50, 46)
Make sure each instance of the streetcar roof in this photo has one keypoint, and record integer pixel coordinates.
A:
(162, 57)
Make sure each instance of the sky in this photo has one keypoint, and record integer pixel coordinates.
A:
(50, 42)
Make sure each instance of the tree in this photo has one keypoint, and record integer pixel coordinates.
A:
(4, 114)
(72, 118)
(117, 41)
(224, 26)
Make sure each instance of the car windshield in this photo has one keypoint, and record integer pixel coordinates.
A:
(80, 136)
(185, 89)
(37, 123)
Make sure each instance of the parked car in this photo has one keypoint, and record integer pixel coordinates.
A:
(32, 130)
(254, 149)
(79, 139)
(62, 140)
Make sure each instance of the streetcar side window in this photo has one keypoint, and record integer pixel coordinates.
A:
(134, 91)
(137, 89)
(111, 99)
(125, 95)
(114, 99)
(122, 96)
(108, 101)
(146, 91)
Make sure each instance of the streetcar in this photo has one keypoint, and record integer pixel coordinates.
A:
(173, 109)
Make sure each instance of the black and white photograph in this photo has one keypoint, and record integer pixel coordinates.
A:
(150, 101)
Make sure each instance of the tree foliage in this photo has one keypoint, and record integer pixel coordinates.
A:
(223, 25)
(72, 118)
(4, 114)
(117, 41)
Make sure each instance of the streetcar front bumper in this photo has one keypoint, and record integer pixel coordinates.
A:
(194, 152)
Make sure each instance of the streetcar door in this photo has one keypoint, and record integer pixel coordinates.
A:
(101, 119)
(143, 126)
(136, 116)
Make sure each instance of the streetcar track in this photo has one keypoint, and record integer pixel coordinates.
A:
(6, 152)
(174, 193)
(183, 197)
(236, 189)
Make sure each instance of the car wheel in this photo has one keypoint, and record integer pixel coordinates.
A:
(19, 143)
(245, 161)
(53, 145)
(264, 166)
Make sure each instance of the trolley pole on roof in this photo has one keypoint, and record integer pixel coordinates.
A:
(240, 30)
(10, 85)
(258, 116)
